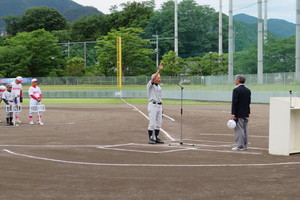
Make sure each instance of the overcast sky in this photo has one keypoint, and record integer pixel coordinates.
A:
(280, 9)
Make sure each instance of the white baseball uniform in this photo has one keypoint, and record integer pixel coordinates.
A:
(17, 88)
(154, 106)
(35, 91)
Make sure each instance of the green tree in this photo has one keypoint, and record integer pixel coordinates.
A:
(198, 28)
(89, 28)
(34, 19)
(14, 61)
(135, 55)
(207, 65)
(173, 65)
(279, 56)
(245, 62)
(12, 24)
(63, 36)
(42, 17)
(133, 14)
(2, 41)
(44, 56)
(75, 67)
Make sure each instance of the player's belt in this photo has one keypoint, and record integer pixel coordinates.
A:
(158, 103)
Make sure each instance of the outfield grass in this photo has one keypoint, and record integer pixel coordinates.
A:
(168, 87)
(118, 101)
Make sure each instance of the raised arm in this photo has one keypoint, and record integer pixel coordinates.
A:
(160, 67)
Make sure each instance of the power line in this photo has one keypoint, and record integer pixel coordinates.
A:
(245, 7)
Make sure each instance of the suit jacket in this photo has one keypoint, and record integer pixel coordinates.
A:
(241, 99)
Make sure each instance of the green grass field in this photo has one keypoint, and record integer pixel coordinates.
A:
(169, 87)
(118, 101)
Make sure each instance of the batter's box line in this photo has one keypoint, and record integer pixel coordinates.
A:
(141, 151)
(112, 147)
(229, 143)
(181, 148)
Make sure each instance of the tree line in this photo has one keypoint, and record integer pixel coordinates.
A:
(31, 45)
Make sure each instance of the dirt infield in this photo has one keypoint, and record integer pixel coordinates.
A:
(101, 152)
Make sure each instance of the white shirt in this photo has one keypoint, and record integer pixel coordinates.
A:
(154, 92)
(35, 91)
(16, 88)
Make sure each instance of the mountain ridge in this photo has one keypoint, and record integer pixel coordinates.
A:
(68, 8)
(278, 27)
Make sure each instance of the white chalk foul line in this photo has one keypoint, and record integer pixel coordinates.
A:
(211, 134)
(150, 165)
(162, 130)
(170, 118)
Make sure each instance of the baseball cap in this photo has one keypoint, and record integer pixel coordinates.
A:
(19, 78)
(9, 85)
(34, 80)
(2, 87)
(231, 124)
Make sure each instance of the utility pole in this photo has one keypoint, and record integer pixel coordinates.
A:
(176, 28)
(156, 50)
(84, 47)
(220, 34)
(210, 60)
(297, 70)
(266, 22)
(68, 50)
(260, 70)
(230, 44)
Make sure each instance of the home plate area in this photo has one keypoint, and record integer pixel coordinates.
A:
(175, 146)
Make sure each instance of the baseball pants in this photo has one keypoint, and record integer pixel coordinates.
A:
(18, 103)
(10, 114)
(34, 102)
(241, 132)
(155, 116)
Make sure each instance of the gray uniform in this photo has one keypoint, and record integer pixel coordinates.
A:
(10, 97)
(154, 106)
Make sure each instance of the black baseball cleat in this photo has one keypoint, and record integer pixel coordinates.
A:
(11, 123)
(159, 141)
(152, 141)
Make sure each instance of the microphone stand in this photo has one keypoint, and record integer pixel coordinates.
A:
(181, 116)
(181, 112)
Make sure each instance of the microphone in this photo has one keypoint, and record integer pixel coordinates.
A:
(291, 93)
(180, 85)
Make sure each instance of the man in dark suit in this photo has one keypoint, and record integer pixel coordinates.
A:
(240, 110)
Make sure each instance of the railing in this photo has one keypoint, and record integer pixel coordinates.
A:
(269, 79)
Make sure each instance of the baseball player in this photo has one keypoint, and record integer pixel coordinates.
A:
(17, 88)
(2, 89)
(36, 96)
(10, 99)
(155, 106)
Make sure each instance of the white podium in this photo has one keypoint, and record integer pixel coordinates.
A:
(284, 127)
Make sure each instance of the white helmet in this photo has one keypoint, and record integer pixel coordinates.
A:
(231, 124)
(2, 87)
(19, 78)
